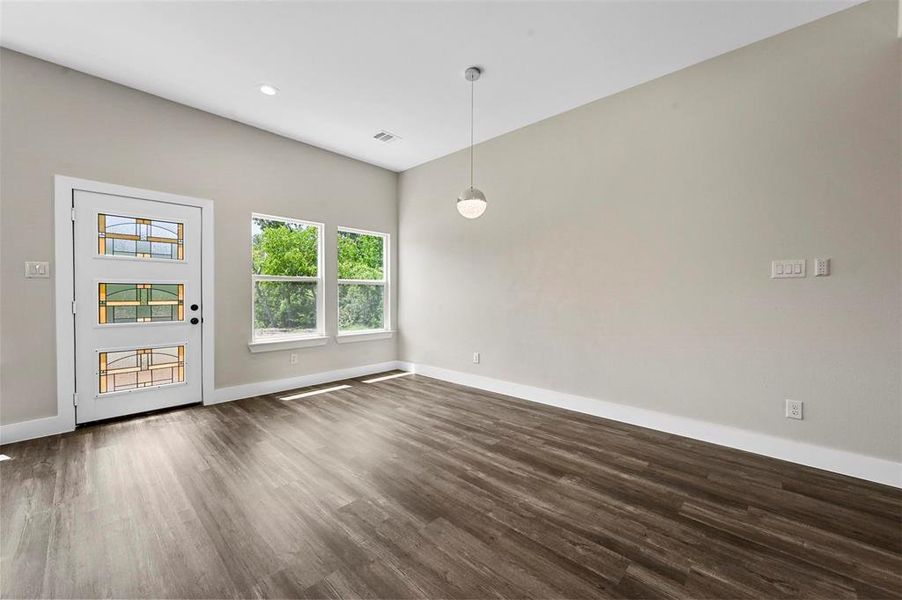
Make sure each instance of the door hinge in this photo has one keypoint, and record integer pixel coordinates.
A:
(73, 307)
(73, 214)
(74, 399)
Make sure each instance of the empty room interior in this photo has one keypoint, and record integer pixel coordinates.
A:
(477, 299)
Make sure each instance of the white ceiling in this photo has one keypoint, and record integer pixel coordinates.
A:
(345, 70)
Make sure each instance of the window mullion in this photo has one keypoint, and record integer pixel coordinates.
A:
(361, 282)
(308, 279)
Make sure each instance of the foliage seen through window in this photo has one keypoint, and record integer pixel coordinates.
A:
(361, 257)
(284, 249)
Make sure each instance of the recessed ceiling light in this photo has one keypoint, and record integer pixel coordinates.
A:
(269, 90)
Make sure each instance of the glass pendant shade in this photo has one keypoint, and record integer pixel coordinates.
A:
(471, 203)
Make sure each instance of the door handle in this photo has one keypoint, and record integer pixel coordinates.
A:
(195, 320)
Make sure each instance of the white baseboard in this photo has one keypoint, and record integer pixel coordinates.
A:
(27, 430)
(829, 459)
(406, 366)
(280, 385)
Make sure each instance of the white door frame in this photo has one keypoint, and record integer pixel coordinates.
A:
(64, 282)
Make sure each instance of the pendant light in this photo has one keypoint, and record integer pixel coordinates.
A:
(471, 202)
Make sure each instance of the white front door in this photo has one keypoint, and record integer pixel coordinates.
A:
(138, 313)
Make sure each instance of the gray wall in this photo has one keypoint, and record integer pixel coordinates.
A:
(625, 254)
(58, 121)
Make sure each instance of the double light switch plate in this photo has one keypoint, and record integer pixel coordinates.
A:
(37, 269)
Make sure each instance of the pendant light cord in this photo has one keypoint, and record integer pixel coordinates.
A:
(472, 103)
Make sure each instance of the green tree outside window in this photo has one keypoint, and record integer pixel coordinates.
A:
(284, 307)
(361, 257)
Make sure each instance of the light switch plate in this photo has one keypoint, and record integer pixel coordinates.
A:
(37, 270)
(786, 269)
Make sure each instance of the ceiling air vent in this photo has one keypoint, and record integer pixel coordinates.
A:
(384, 136)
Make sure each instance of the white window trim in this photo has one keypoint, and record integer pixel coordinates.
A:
(316, 338)
(368, 334)
(288, 344)
(364, 336)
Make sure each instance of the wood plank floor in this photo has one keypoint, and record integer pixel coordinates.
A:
(412, 488)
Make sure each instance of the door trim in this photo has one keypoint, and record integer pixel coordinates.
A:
(64, 282)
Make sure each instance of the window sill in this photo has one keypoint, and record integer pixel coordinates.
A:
(276, 345)
(363, 336)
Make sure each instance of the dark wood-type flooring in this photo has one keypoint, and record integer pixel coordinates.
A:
(417, 488)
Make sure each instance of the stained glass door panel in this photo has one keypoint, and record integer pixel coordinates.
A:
(124, 370)
(140, 237)
(140, 302)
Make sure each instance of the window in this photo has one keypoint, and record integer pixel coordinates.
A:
(287, 271)
(362, 281)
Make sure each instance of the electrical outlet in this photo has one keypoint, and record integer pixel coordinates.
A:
(293, 358)
(794, 409)
(476, 358)
(821, 267)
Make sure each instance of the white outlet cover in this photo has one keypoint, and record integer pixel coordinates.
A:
(794, 409)
(821, 267)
